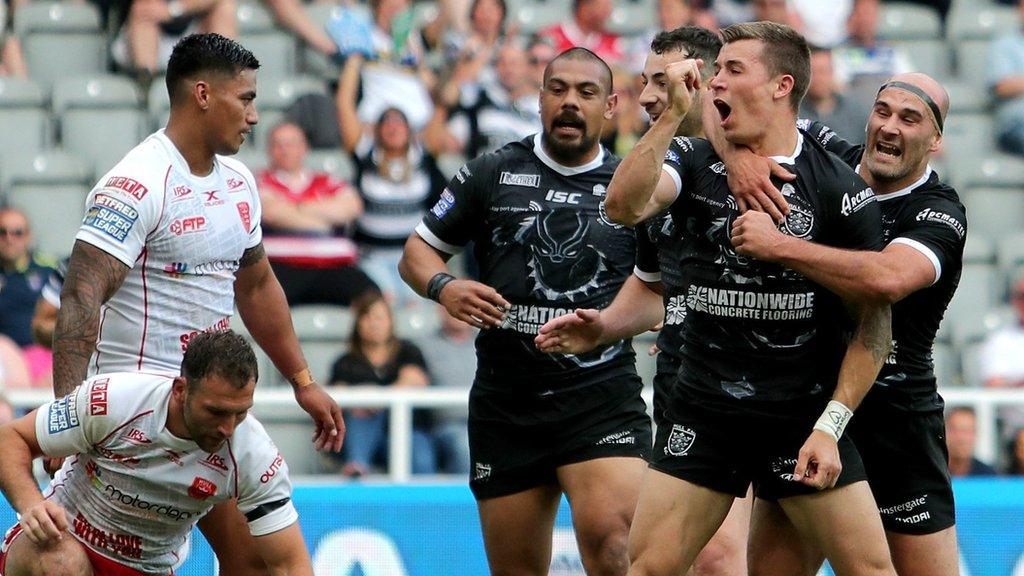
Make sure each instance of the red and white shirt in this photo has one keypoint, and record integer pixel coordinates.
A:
(318, 186)
(607, 45)
(182, 235)
(134, 490)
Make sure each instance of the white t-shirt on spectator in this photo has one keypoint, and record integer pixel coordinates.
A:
(1002, 355)
(182, 235)
(134, 490)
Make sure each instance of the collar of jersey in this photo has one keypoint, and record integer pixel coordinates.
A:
(538, 149)
(903, 191)
(791, 159)
(182, 164)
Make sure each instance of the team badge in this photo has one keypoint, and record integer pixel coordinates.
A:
(600, 190)
(201, 488)
(680, 440)
(799, 222)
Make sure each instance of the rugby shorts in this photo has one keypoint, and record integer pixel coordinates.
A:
(101, 565)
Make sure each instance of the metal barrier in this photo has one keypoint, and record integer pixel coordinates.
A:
(280, 403)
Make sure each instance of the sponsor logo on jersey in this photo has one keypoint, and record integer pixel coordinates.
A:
(930, 215)
(234, 184)
(444, 204)
(602, 217)
(680, 440)
(481, 471)
(244, 212)
(212, 199)
(463, 174)
(803, 124)
(891, 359)
(201, 488)
(672, 156)
(784, 468)
(899, 511)
(188, 225)
(675, 312)
(718, 168)
(270, 472)
(132, 187)
(136, 436)
(527, 180)
(749, 305)
(852, 204)
(600, 190)
(173, 457)
(181, 192)
(684, 143)
(111, 216)
(216, 463)
(623, 437)
(123, 545)
(179, 268)
(528, 319)
(127, 461)
(560, 197)
(222, 324)
(63, 413)
(98, 397)
(153, 509)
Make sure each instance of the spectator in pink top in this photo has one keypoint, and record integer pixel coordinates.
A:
(587, 30)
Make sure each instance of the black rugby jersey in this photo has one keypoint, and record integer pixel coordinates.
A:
(658, 245)
(543, 241)
(756, 333)
(928, 216)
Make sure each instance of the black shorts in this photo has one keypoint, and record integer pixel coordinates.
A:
(727, 450)
(906, 460)
(516, 442)
(664, 379)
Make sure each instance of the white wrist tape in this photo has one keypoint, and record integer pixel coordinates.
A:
(834, 419)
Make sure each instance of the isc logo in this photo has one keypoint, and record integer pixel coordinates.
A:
(563, 197)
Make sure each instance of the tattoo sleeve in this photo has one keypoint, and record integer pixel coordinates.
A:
(875, 331)
(252, 255)
(92, 278)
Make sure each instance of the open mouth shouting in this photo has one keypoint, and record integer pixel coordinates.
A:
(568, 126)
(886, 151)
(724, 109)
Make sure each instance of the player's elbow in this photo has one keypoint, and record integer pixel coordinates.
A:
(619, 210)
(405, 263)
(885, 289)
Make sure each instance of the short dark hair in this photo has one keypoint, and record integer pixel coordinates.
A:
(695, 41)
(197, 53)
(580, 53)
(785, 51)
(220, 352)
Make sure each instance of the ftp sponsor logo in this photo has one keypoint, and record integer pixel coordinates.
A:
(216, 463)
(269, 474)
(98, 398)
(132, 187)
(188, 225)
(201, 488)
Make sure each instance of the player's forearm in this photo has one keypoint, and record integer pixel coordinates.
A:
(865, 355)
(338, 211)
(862, 276)
(16, 481)
(633, 185)
(419, 263)
(287, 217)
(635, 309)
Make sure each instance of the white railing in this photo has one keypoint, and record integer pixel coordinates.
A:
(280, 403)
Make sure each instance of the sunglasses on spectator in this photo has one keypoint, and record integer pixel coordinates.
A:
(15, 232)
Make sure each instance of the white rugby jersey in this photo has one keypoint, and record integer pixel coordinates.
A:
(134, 490)
(182, 236)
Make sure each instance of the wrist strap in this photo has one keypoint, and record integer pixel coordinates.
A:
(834, 419)
(301, 379)
(436, 284)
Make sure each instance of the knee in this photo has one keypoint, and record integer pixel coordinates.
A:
(721, 557)
(606, 549)
(64, 559)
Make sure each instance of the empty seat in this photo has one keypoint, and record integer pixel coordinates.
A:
(419, 322)
(61, 39)
(995, 170)
(947, 366)
(903, 21)
(54, 230)
(967, 97)
(255, 160)
(260, 132)
(978, 293)
(94, 92)
(535, 16)
(972, 61)
(994, 213)
(978, 249)
(632, 18)
(323, 323)
(928, 56)
(1011, 250)
(102, 136)
(320, 357)
(275, 93)
(971, 20)
(970, 361)
(276, 51)
(253, 19)
(966, 140)
(337, 164)
(314, 62)
(47, 167)
(23, 115)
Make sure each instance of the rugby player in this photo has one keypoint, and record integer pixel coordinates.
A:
(154, 453)
(171, 244)
(769, 376)
(541, 424)
(899, 427)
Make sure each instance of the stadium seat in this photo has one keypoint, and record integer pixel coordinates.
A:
(978, 292)
(313, 62)
(94, 92)
(972, 61)
(994, 170)
(928, 56)
(335, 163)
(967, 97)
(970, 362)
(103, 137)
(535, 16)
(253, 19)
(972, 20)
(60, 39)
(632, 18)
(23, 115)
(966, 139)
(1011, 251)
(47, 167)
(277, 93)
(417, 323)
(255, 160)
(978, 249)
(994, 213)
(320, 357)
(904, 21)
(947, 366)
(276, 51)
(260, 132)
(323, 323)
(53, 231)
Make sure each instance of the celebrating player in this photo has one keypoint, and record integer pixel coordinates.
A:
(154, 454)
(542, 424)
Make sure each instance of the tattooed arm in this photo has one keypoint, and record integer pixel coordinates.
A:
(92, 278)
(264, 310)
(865, 354)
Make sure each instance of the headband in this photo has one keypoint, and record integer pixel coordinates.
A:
(920, 94)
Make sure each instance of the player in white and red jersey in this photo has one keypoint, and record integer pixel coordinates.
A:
(154, 454)
(171, 244)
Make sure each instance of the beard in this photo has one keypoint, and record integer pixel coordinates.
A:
(570, 152)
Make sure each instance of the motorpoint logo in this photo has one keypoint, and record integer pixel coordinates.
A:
(133, 501)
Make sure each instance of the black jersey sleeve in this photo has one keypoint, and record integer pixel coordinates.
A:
(647, 267)
(937, 227)
(452, 221)
(831, 141)
(681, 156)
(852, 212)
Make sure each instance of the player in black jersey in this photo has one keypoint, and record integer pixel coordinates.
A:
(899, 426)
(765, 350)
(655, 293)
(542, 424)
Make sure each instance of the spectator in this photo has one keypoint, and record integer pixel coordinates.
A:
(826, 102)
(153, 27)
(961, 435)
(397, 180)
(475, 49)
(540, 51)
(12, 61)
(1002, 360)
(22, 277)
(313, 210)
(862, 62)
(44, 319)
(451, 355)
(377, 357)
(587, 29)
(671, 14)
(290, 15)
(1015, 453)
(630, 122)
(490, 114)
(1006, 78)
